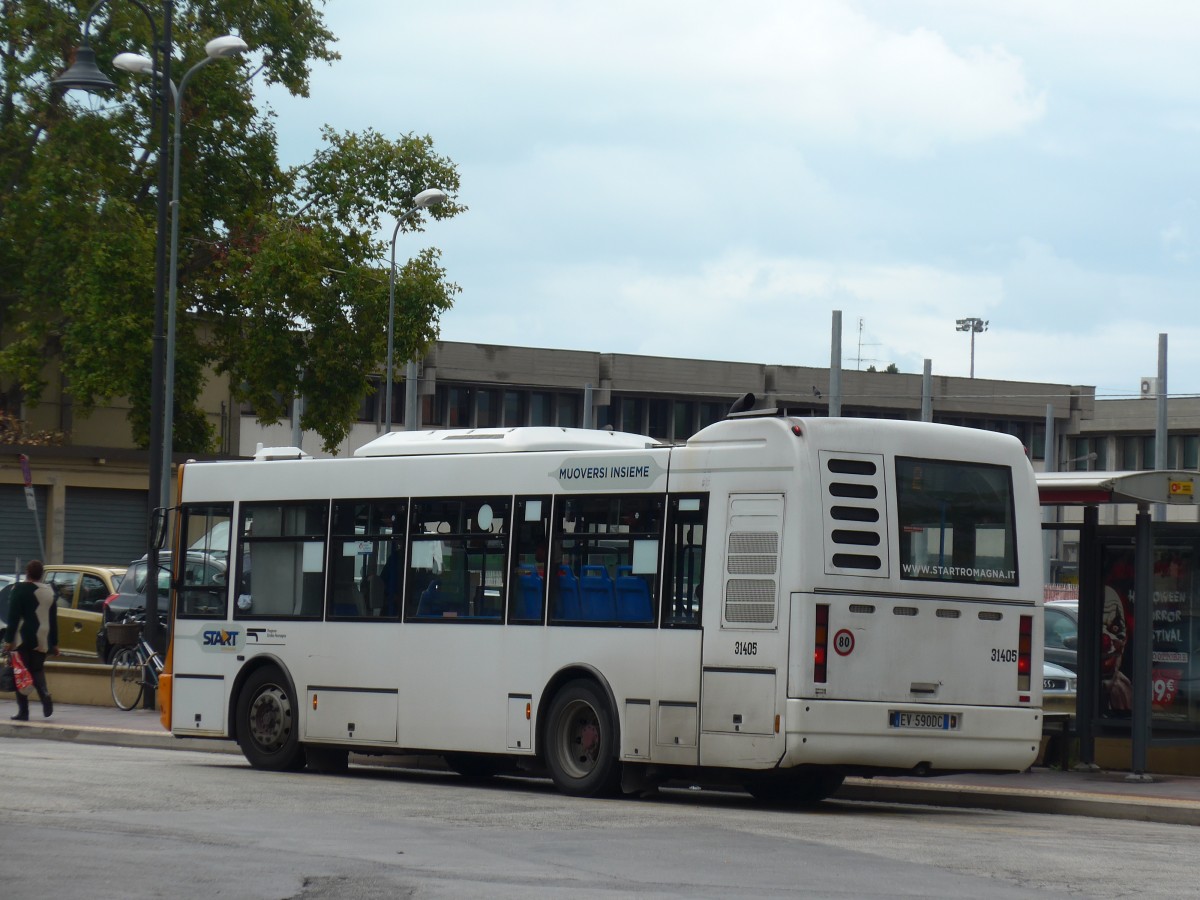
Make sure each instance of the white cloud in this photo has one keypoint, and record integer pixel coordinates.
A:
(820, 67)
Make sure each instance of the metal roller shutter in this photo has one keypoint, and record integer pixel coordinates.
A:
(18, 533)
(104, 527)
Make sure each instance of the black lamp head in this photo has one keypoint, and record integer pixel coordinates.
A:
(83, 74)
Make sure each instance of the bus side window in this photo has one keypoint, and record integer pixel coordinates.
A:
(366, 559)
(682, 596)
(203, 588)
(604, 558)
(457, 556)
(527, 583)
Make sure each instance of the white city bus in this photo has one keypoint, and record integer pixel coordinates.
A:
(777, 603)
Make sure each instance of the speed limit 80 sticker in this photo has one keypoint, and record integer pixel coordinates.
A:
(843, 642)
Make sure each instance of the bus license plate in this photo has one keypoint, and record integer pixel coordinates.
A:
(920, 721)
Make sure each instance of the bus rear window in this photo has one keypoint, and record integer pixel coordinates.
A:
(955, 522)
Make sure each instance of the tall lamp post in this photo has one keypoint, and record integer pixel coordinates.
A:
(975, 326)
(428, 197)
(226, 47)
(84, 75)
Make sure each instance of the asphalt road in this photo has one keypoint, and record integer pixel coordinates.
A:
(89, 821)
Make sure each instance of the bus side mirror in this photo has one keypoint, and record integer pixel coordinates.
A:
(158, 527)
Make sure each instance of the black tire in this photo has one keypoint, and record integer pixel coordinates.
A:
(473, 766)
(802, 788)
(327, 760)
(126, 678)
(268, 727)
(581, 742)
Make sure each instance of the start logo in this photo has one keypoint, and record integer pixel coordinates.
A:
(220, 638)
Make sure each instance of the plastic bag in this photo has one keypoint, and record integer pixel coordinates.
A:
(21, 677)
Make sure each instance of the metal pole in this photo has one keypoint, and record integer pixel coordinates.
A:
(173, 279)
(1050, 539)
(158, 367)
(972, 352)
(1088, 640)
(1160, 425)
(927, 392)
(412, 411)
(391, 319)
(835, 366)
(1143, 635)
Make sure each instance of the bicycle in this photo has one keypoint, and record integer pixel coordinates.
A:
(136, 665)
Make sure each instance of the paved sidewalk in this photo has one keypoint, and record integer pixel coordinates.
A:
(1172, 799)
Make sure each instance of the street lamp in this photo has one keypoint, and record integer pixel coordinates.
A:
(975, 326)
(84, 75)
(428, 197)
(225, 47)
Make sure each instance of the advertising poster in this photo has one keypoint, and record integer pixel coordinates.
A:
(1176, 638)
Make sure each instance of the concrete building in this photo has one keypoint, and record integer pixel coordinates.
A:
(90, 489)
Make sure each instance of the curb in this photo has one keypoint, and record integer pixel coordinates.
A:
(1162, 810)
(116, 737)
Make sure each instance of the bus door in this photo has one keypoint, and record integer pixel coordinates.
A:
(744, 650)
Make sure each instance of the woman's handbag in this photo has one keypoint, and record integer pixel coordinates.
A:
(8, 680)
(21, 677)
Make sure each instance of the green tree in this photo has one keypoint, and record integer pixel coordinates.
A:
(283, 282)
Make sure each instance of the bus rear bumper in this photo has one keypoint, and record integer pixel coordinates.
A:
(941, 738)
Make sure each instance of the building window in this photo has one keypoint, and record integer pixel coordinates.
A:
(487, 409)
(514, 408)
(1190, 458)
(458, 407)
(568, 411)
(631, 415)
(1127, 453)
(541, 409)
(712, 412)
(372, 401)
(684, 413)
(659, 419)
(1147, 442)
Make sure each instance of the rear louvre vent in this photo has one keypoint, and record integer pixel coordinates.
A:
(752, 561)
(948, 614)
(862, 608)
(749, 602)
(854, 502)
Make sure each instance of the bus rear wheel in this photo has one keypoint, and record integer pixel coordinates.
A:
(581, 742)
(267, 727)
(801, 788)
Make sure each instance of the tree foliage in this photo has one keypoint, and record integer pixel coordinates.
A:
(282, 280)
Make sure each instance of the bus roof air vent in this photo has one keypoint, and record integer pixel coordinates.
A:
(265, 454)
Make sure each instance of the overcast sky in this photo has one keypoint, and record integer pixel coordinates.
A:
(712, 179)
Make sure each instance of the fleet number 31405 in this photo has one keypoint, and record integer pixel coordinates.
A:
(1000, 655)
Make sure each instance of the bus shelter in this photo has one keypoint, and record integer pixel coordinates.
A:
(1138, 653)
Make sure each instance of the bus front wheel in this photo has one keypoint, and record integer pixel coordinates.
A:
(267, 726)
(581, 741)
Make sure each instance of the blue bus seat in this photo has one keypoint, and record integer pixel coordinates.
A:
(531, 589)
(431, 598)
(568, 594)
(633, 598)
(596, 595)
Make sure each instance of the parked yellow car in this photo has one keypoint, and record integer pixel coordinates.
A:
(81, 592)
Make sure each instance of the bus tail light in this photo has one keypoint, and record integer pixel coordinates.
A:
(1024, 653)
(821, 644)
